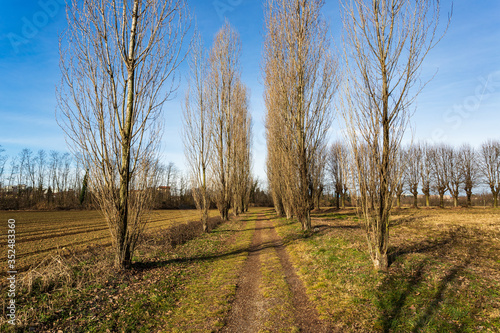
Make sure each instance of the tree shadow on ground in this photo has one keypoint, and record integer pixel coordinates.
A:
(238, 231)
(338, 214)
(148, 265)
(408, 219)
(399, 288)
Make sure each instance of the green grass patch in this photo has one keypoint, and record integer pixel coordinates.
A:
(276, 292)
(205, 299)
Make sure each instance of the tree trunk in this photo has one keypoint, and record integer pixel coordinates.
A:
(306, 192)
(244, 206)
(123, 255)
(441, 200)
(204, 220)
(415, 201)
(381, 260)
(469, 198)
(204, 214)
(278, 205)
(204, 209)
(337, 200)
(122, 258)
(455, 201)
(343, 200)
(225, 212)
(427, 200)
(288, 212)
(398, 199)
(306, 224)
(382, 238)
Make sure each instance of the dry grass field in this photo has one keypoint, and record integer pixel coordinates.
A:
(38, 233)
(444, 273)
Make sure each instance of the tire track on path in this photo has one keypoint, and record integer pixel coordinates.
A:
(247, 308)
(306, 315)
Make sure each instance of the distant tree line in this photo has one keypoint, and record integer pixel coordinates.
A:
(425, 171)
(40, 180)
(55, 180)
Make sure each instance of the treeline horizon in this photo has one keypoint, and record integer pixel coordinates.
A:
(427, 171)
(460, 175)
(53, 180)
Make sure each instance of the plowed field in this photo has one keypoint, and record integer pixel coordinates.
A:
(40, 233)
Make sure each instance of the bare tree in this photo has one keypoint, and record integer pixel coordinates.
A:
(385, 43)
(242, 136)
(401, 165)
(183, 189)
(413, 170)
(470, 170)
(338, 167)
(280, 165)
(63, 176)
(54, 165)
(198, 129)
(490, 167)
(3, 161)
(224, 78)
(439, 165)
(454, 174)
(426, 171)
(24, 161)
(14, 170)
(41, 160)
(118, 63)
(277, 171)
(78, 177)
(171, 174)
(29, 166)
(300, 80)
(318, 169)
(335, 171)
(25, 176)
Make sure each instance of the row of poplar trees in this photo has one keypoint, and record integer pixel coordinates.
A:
(300, 81)
(376, 74)
(119, 64)
(217, 127)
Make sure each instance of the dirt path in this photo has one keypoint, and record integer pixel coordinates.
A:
(270, 296)
(247, 307)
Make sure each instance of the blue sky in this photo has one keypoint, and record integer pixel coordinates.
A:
(460, 105)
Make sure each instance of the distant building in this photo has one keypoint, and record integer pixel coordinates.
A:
(164, 189)
(445, 197)
(435, 197)
(14, 188)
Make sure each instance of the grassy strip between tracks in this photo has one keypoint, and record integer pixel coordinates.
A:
(276, 292)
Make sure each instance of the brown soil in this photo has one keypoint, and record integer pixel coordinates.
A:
(248, 313)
